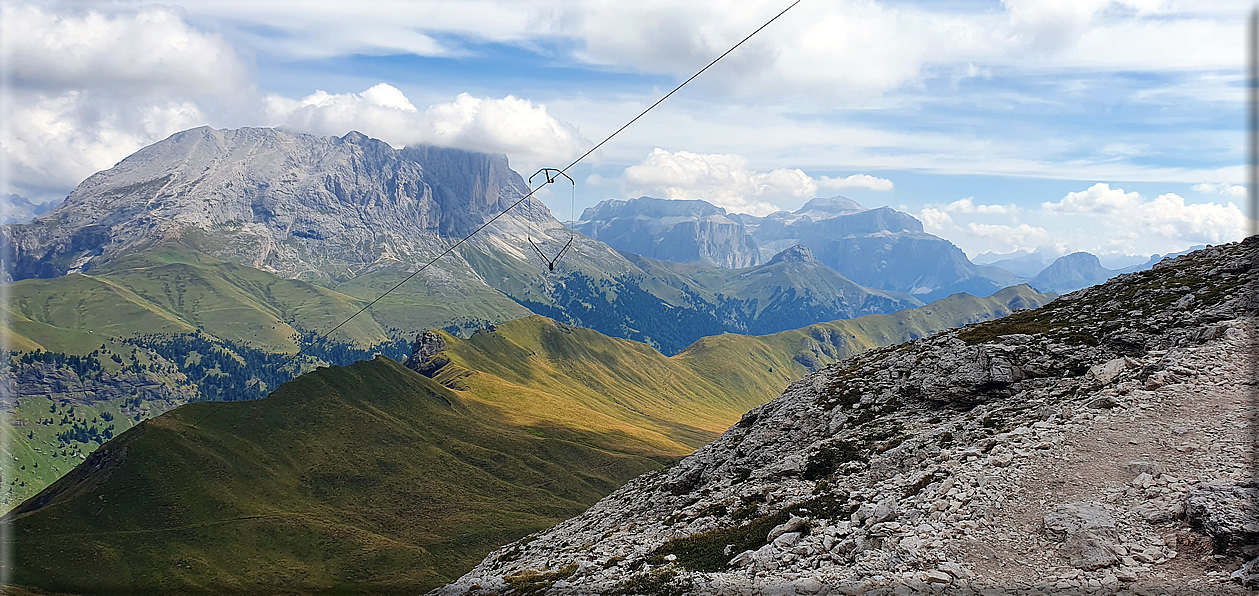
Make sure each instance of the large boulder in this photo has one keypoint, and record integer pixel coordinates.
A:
(1227, 512)
(1087, 531)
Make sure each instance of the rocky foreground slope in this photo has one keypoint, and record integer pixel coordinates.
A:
(1098, 444)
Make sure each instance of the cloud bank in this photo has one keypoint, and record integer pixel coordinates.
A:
(1099, 219)
(509, 125)
(728, 181)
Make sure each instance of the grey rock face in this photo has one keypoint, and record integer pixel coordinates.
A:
(63, 385)
(294, 204)
(423, 353)
(677, 231)
(901, 471)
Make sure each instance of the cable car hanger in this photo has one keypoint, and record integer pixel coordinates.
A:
(550, 174)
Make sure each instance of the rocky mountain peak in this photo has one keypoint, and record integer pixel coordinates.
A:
(1080, 259)
(425, 353)
(1074, 446)
(796, 254)
(1070, 272)
(357, 138)
(296, 204)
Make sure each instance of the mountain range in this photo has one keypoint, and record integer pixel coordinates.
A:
(879, 248)
(193, 269)
(354, 216)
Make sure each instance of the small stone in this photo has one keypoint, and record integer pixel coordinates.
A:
(787, 540)
(743, 559)
(1146, 467)
(937, 577)
(791, 525)
(955, 570)
(807, 585)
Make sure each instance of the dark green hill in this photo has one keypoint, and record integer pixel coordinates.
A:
(351, 477)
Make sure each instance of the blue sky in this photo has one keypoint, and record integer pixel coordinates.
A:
(1115, 127)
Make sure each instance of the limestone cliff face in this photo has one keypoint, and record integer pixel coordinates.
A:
(677, 231)
(295, 204)
(1087, 444)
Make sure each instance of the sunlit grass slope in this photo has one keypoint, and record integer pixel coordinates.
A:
(366, 476)
(555, 378)
(174, 289)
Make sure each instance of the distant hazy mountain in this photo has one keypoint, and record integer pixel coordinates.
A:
(879, 248)
(793, 287)
(1155, 258)
(1071, 272)
(1025, 264)
(1081, 269)
(677, 231)
(18, 209)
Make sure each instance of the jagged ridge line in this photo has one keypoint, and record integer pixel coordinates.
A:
(583, 156)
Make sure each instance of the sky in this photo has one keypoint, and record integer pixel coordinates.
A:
(1114, 127)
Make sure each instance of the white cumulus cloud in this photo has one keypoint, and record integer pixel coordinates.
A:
(935, 221)
(511, 125)
(721, 179)
(855, 181)
(151, 49)
(1020, 237)
(52, 142)
(1169, 216)
(1099, 198)
(967, 205)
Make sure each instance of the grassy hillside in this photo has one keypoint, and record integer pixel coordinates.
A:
(367, 476)
(178, 291)
(557, 378)
(372, 477)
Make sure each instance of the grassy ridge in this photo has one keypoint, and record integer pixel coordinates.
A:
(367, 475)
(173, 289)
(177, 292)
